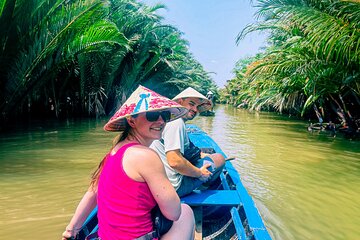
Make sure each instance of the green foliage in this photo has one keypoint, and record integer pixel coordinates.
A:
(45, 37)
(84, 57)
(313, 58)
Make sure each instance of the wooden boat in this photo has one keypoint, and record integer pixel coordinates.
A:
(226, 211)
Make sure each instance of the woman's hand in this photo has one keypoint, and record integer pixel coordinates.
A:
(69, 233)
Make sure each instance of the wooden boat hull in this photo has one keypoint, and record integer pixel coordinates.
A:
(225, 211)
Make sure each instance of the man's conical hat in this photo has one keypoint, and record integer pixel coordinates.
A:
(192, 93)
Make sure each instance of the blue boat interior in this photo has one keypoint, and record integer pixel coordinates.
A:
(229, 197)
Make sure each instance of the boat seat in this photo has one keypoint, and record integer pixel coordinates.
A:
(199, 198)
(212, 198)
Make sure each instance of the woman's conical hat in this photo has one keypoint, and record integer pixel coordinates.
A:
(143, 100)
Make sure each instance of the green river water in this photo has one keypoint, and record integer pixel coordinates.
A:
(306, 185)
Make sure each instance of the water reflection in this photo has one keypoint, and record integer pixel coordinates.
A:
(304, 184)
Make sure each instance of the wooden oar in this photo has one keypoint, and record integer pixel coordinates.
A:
(229, 158)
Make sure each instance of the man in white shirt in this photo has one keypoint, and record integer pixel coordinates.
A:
(184, 175)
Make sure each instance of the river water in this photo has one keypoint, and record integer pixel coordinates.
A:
(305, 184)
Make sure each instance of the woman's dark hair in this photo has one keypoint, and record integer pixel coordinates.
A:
(96, 174)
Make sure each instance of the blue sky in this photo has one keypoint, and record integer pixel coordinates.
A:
(211, 27)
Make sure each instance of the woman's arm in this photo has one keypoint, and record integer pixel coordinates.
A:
(86, 205)
(161, 188)
(144, 164)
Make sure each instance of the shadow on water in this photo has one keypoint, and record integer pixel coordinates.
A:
(304, 184)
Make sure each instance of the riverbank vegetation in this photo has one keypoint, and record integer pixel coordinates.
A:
(64, 58)
(311, 66)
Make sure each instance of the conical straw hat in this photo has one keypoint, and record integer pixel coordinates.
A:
(143, 100)
(192, 93)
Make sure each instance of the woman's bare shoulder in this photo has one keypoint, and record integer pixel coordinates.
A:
(143, 152)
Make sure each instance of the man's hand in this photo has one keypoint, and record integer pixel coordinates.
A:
(205, 173)
(202, 154)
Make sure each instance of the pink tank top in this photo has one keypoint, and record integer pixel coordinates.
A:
(124, 205)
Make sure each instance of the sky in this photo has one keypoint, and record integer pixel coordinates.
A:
(211, 27)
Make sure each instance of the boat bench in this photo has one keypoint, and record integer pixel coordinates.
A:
(197, 199)
(212, 197)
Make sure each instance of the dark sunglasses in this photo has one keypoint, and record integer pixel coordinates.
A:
(154, 116)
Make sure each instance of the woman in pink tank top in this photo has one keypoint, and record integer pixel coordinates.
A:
(131, 180)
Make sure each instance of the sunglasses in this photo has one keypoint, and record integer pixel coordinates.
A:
(154, 116)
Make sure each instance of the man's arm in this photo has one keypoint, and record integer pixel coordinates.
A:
(184, 167)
